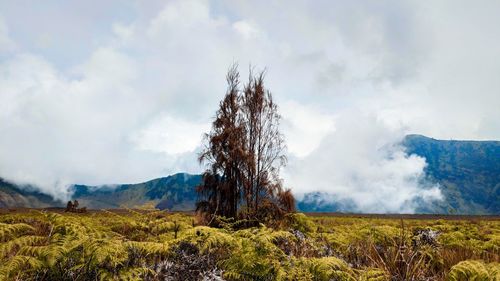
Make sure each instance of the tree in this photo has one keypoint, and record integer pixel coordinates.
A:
(244, 152)
(264, 141)
(224, 153)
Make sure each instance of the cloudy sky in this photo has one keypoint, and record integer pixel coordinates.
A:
(99, 92)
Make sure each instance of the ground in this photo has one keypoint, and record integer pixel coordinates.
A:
(48, 244)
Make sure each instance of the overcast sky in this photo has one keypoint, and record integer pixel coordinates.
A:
(99, 92)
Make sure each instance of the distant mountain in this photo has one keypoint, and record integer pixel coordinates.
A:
(176, 192)
(468, 173)
(13, 196)
(324, 202)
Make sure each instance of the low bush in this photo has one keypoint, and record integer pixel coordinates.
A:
(154, 245)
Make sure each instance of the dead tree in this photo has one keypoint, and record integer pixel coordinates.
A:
(244, 152)
(69, 207)
(72, 207)
(264, 142)
(222, 184)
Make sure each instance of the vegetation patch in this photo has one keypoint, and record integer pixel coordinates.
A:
(157, 245)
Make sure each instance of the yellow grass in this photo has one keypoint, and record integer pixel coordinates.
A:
(152, 245)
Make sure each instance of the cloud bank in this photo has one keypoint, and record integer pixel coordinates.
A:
(114, 92)
(371, 171)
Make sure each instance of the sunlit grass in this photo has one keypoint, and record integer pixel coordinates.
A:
(133, 245)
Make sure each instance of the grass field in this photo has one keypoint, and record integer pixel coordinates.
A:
(155, 245)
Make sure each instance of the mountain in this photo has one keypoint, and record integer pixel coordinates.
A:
(13, 196)
(468, 173)
(323, 202)
(176, 192)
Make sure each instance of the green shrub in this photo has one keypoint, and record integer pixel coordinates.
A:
(472, 270)
(300, 222)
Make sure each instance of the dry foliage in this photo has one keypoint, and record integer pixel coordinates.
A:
(161, 246)
(244, 152)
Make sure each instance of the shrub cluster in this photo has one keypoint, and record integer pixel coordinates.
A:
(161, 246)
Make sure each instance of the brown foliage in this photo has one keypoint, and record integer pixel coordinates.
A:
(73, 207)
(244, 152)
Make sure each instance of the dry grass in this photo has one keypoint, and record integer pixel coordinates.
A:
(155, 245)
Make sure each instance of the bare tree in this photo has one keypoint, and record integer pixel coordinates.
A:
(224, 154)
(264, 141)
(244, 152)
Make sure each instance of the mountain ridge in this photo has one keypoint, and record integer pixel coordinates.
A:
(14, 196)
(174, 192)
(467, 171)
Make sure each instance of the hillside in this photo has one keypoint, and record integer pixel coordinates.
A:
(176, 192)
(12, 196)
(468, 173)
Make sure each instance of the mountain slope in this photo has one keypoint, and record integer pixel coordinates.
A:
(12, 196)
(468, 172)
(176, 192)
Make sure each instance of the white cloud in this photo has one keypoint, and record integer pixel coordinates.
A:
(171, 136)
(362, 162)
(6, 43)
(122, 93)
(182, 15)
(304, 127)
(58, 130)
(123, 32)
(247, 29)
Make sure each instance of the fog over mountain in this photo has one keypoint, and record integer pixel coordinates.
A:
(460, 177)
(372, 171)
(122, 91)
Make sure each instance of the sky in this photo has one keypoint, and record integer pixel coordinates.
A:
(101, 92)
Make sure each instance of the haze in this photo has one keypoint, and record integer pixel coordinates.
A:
(97, 92)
